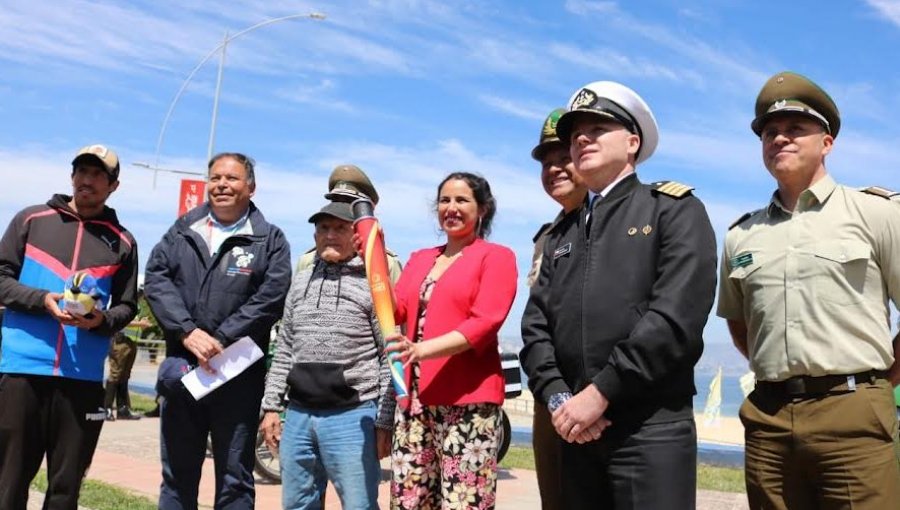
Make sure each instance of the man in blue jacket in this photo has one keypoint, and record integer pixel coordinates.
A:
(221, 273)
(51, 367)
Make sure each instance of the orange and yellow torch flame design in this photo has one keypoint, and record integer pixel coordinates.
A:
(369, 231)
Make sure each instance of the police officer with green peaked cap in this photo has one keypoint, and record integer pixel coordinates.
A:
(560, 182)
(788, 92)
(348, 183)
(804, 286)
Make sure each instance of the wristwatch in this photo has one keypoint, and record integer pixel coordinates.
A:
(557, 400)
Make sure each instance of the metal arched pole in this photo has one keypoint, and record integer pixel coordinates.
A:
(221, 47)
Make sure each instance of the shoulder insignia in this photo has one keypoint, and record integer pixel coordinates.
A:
(672, 188)
(740, 220)
(389, 253)
(880, 192)
(541, 231)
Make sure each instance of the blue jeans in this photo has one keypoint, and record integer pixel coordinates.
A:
(318, 445)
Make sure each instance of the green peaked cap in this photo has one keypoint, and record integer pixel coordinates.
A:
(548, 134)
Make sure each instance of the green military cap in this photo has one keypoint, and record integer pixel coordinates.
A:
(348, 182)
(788, 92)
(549, 137)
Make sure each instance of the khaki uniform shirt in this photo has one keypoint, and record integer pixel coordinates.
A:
(813, 286)
(538, 255)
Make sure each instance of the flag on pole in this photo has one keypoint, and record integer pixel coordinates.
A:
(713, 413)
(193, 193)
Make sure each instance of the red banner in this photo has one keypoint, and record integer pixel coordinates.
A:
(193, 193)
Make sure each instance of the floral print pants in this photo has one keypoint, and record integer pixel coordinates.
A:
(445, 457)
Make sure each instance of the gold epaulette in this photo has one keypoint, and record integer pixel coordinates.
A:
(878, 191)
(672, 188)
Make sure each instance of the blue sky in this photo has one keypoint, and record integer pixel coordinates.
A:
(412, 90)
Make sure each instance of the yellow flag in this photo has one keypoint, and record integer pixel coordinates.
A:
(713, 411)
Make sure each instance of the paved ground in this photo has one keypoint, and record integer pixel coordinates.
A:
(128, 456)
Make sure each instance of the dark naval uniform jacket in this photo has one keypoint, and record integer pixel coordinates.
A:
(622, 304)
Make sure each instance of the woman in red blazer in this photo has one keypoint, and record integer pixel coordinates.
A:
(453, 300)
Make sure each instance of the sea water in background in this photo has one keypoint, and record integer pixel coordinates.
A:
(732, 396)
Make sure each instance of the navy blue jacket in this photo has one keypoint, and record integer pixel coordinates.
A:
(623, 306)
(237, 292)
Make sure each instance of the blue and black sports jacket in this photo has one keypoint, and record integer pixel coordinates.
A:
(42, 247)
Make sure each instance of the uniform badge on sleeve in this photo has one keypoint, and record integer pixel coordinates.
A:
(741, 260)
(562, 250)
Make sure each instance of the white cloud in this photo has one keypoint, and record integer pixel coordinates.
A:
(607, 61)
(320, 94)
(582, 7)
(888, 9)
(529, 111)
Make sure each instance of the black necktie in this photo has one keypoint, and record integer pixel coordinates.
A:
(590, 214)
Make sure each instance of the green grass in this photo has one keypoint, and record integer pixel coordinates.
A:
(142, 403)
(722, 479)
(101, 496)
(713, 478)
(518, 457)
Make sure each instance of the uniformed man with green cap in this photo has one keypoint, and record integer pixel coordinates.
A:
(348, 183)
(562, 185)
(804, 285)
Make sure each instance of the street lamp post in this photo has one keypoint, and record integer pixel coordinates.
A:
(221, 47)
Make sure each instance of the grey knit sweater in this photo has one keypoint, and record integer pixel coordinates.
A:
(330, 352)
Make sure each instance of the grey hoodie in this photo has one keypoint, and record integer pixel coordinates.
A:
(330, 351)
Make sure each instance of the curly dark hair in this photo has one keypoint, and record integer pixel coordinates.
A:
(481, 190)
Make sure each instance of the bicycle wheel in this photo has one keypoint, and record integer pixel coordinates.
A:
(505, 435)
(267, 465)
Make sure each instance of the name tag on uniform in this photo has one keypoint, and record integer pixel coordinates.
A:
(562, 250)
(742, 260)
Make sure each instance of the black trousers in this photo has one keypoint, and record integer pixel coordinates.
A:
(55, 416)
(637, 467)
(547, 447)
(230, 416)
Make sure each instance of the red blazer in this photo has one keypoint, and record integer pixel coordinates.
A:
(473, 296)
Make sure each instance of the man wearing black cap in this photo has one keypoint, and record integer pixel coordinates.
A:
(614, 323)
(330, 363)
(51, 370)
(346, 184)
(221, 273)
(562, 184)
(804, 286)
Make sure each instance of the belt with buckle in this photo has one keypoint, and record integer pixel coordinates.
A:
(804, 385)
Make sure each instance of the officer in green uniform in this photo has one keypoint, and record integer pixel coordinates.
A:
(563, 185)
(348, 183)
(614, 322)
(804, 285)
(122, 354)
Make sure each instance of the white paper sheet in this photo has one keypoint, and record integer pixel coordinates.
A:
(228, 364)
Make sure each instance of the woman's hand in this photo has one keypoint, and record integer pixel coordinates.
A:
(358, 246)
(399, 347)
